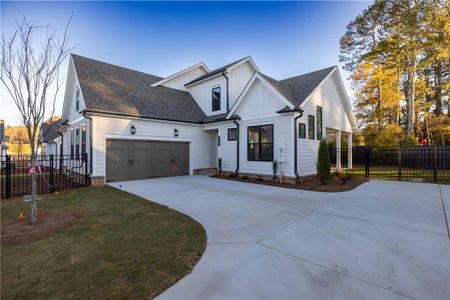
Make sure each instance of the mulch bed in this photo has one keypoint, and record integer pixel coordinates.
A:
(16, 231)
(336, 184)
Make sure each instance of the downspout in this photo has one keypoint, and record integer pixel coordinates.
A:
(295, 148)
(237, 147)
(91, 126)
(228, 89)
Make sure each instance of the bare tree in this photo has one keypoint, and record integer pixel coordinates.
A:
(29, 70)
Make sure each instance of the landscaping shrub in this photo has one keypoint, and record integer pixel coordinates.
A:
(245, 177)
(323, 163)
(274, 169)
(260, 179)
(220, 166)
(345, 177)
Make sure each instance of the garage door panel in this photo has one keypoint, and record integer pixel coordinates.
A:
(131, 160)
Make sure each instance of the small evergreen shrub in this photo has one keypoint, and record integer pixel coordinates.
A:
(220, 166)
(274, 169)
(323, 163)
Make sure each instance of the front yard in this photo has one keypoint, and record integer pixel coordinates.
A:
(120, 246)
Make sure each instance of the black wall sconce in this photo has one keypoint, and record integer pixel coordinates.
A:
(132, 129)
(175, 132)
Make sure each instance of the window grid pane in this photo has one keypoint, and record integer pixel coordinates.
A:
(260, 143)
(301, 130)
(216, 99)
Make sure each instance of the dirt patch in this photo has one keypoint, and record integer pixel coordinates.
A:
(336, 184)
(15, 231)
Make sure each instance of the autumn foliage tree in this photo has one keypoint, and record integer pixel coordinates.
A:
(398, 54)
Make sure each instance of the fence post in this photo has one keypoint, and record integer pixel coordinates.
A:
(400, 163)
(8, 176)
(435, 177)
(367, 162)
(86, 175)
(51, 174)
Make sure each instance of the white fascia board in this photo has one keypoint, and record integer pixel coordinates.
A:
(71, 64)
(168, 78)
(247, 59)
(255, 76)
(349, 105)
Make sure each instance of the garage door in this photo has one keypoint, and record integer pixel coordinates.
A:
(130, 160)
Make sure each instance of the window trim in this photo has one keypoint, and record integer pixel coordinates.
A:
(299, 131)
(235, 134)
(319, 109)
(260, 143)
(214, 108)
(311, 130)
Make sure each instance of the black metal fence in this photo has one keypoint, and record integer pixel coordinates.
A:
(53, 173)
(418, 163)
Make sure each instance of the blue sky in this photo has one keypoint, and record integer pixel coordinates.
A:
(284, 38)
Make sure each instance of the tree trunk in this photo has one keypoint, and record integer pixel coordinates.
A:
(438, 90)
(411, 90)
(33, 187)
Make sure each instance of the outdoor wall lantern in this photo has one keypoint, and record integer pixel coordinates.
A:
(132, 129)
(175, 132)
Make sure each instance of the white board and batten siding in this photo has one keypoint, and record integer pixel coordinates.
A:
(106, 127)
(334, 116)
(259, 107)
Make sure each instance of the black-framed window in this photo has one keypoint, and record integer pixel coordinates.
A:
(232, 134)
(260, 143)
(311, 126)
(301, 131)
(72, 141)
(83, 140)
(77, 143)
(77, 100)
(216, 98)
(319, 123)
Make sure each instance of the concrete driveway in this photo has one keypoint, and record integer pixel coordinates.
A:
(382, 240)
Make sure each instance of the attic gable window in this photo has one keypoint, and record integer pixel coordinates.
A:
(216, 99)
(77, 100)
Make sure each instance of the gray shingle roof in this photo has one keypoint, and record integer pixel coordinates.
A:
(112, 89)
(215, 72)
(296, 89)
(49, 129)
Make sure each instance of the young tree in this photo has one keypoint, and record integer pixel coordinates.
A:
(28, 73)
(323, 163)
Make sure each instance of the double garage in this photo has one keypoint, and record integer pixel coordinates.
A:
(136, 159)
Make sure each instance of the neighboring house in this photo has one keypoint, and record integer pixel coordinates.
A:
(49, 138)
(3, 147)
(134, 125)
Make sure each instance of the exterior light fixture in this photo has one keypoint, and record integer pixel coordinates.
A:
(175, 132)
(132, 129)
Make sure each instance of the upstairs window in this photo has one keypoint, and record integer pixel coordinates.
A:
(77, 100)
(311, 127)
(260, 143)
(319, 123)
(301, 131)
(232, 134)
(216, 99)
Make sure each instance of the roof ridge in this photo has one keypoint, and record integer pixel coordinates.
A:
(117, 66)
(309, 73)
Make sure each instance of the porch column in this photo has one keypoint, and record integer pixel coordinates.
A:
(349, 143)
(338, 150)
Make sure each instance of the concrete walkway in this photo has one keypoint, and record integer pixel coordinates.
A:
(382, 240)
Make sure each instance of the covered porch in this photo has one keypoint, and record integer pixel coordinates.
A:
(340, 147)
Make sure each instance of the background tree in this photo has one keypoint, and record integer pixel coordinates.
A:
(28, 71)
(18, 139)
(398, 55)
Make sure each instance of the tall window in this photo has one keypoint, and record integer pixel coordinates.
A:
(216, 99)
(77, 100)
(311, 127)
(301, 130)
(260, 143)
(319, 123)
(77, 141)
(83, 141)
(72, 142)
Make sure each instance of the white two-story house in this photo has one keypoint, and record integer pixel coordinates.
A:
(133, 125)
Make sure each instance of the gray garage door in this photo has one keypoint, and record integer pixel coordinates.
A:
(130, 160)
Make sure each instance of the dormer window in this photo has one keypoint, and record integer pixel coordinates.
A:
(77, 100)
(216, 98)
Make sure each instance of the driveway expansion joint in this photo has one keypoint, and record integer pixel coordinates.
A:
(445, 212)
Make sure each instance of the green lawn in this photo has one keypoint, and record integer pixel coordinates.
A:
(122, 247)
